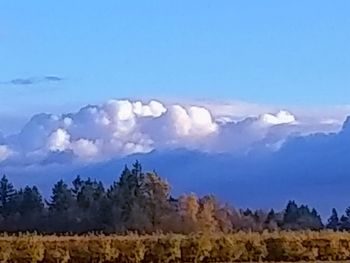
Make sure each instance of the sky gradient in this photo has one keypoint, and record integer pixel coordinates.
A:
(265, 52)
(258, 90)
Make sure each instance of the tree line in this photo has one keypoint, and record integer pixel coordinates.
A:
(141, 202)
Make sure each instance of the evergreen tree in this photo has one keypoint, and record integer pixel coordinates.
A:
(344, 223)
(31, 201)
(316, 221)
(62, 198)
(247, 212)
(345, 220)
(141, 202)
(89, 195)
(28, 210)
(89, 192)
(62, 208)
(129, 195)
(271, 216)
(77, 184)
(297, 218)
(271, 221)
(7, 192)
(333, 222)
(290, 215)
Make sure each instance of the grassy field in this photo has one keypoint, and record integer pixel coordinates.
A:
(240, 247)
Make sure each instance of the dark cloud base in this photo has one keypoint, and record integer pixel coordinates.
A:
(312, 169)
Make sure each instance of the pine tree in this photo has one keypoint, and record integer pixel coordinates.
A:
(333, 221)
(89, 195)
(89, 192)
(298, 218)
(29, 208)
(345, 220)
(129, 194)
(7, 192)
(62, 208)
(31, 201)
(291, 215)
(271, 221)
(62, 198)
(77, 184)
(316, 220)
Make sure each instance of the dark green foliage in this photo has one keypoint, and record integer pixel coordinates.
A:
(7, 191)
(62, 208)
(333, 222)
(62, 198)
(140, 201)
(297, 218)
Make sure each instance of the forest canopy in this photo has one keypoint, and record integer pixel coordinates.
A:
(141, 202)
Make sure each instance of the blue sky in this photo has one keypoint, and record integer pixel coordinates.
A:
(272, 52)
(292, 54)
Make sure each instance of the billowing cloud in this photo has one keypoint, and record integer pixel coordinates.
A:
(122, 127)
(5, 152)
(59, 140)
(281, 117)
(196, 121)
(85, 149)
(229, 148)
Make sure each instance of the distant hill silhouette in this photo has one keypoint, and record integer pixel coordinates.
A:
(307, 169)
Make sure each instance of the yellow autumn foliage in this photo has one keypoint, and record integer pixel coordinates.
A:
(170, 248)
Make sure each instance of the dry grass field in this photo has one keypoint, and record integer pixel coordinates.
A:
(325, 246)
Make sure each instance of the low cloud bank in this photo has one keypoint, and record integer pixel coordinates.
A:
(120, 128)
(260, 160)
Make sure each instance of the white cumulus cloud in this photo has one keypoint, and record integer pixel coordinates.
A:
(85, 149)
(282, 117)
(59, 140)
(123, 127)
(5, 152)
(196, 121)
